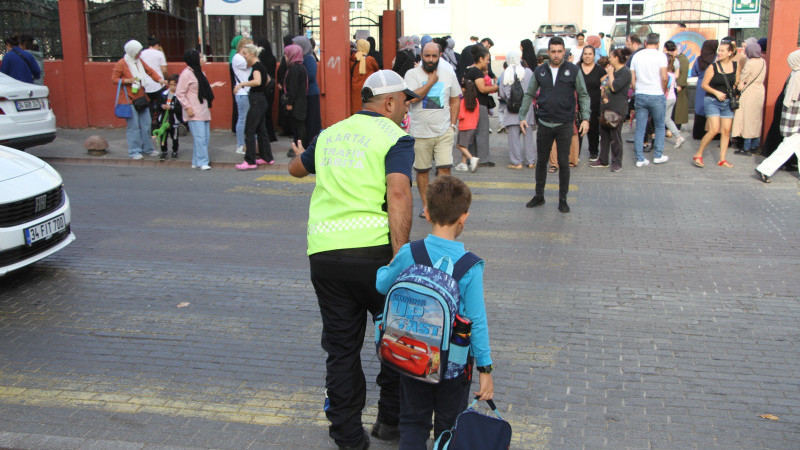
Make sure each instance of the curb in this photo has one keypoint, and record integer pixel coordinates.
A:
(151, 163)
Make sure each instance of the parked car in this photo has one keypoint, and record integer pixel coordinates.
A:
(35, 213)
(619, 34)
(413, 356)
(25, 115)
(567, 31)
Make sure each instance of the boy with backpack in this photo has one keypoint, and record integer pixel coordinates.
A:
(437, 380)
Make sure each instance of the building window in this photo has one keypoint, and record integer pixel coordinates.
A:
(357, 5)
(622, 10)
(608, 10)
(637, 10)
(437, 2)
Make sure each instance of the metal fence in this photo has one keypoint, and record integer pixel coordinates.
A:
(37, 18)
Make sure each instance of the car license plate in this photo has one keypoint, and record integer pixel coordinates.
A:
(28, 105)
(45, 230)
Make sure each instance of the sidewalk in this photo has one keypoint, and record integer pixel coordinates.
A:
(69, 148)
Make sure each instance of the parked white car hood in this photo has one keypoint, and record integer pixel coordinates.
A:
(31, 176)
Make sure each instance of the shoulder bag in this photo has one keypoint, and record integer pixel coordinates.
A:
(124, 110)
(734, 103)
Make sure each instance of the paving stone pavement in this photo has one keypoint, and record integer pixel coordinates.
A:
(662, 312)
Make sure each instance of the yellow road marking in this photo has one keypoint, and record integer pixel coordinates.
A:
(218, 223)
(562, 238)
(471, 184)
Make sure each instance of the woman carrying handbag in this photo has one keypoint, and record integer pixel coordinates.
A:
(129, 73)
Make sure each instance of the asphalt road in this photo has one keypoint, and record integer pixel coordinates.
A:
(661, 313)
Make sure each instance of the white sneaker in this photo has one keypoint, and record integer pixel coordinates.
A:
(461, 167)
(195, 167)
(137, 156)
(679, 141)
(206, 167)
(646, 162)
(473, 163)
(240, 150)
(661, 160)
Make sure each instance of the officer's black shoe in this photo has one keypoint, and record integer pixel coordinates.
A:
(385, 432)
(174, 155)
(537, 200)
(162, 156)
(563, 206)
(363, 445)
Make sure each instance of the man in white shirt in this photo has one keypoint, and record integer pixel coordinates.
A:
(155, 59)
(649, 79)
(433, 115)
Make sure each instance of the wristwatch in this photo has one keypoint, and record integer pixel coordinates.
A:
(455, 127)
(486, 369)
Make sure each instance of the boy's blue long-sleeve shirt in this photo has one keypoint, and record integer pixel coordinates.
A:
(471, 305)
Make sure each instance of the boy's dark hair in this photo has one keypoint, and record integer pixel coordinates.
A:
(152, 40)
(602, 35)
(12, 40)
(448, 198)
(174, 77)
(581, 35)
(488, 40)
(557, 40)
(634, 38)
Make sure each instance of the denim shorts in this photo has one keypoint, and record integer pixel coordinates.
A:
(716, 108)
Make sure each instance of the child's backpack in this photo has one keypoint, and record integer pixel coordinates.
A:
(514, 102)
(476, 431)
(414, 332)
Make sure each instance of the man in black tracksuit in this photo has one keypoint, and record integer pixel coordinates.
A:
(557, 82)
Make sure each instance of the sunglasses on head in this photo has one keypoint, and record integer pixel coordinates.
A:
(726, 40)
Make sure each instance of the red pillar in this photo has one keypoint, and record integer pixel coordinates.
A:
(389, 35)
(781, 40)
(74, 43)
(334, 60)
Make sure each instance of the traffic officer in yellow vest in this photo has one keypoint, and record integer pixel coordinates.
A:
(359, 217)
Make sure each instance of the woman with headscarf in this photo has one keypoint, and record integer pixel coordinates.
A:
(295, 90)
(417, 49)
(284, 119)
(789, 120)
(196, 96)
(361, 67)
(528, 53)
(404, 61)
(131, 71)
(313, 116)
(375, 53)
(511, 119)
(267, 58)
(747, 120)
(708, 53)
(449, 54)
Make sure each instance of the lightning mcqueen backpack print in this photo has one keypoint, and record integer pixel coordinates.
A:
(413, 335)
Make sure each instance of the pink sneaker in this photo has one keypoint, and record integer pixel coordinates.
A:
(260, 161)
(245, 166)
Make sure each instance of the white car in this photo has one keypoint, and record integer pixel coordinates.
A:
(34, 210)
(566, 31)
(25, 115)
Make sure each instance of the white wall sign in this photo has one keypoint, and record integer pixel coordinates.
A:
(234, 7)
(745, 14)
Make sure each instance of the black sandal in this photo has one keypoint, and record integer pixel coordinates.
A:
(764, 178)
(553, 169)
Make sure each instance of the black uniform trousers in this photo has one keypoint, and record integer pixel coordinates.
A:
(562, 135)
(344, 281)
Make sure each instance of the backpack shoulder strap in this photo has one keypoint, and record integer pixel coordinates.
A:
(465, 263)
(420, 253)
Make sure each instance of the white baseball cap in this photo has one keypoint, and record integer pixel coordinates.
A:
(385, 82)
